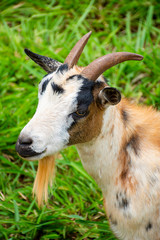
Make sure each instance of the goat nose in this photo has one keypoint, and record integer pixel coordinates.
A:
(25, 141)
(24, 147)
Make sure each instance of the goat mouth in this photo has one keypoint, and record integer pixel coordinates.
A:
(27, 152)
(31, 154)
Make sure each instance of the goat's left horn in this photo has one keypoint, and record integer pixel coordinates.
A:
(76, 51)
(98, 66)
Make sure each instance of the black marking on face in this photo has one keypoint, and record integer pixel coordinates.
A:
(149, 226)
(134, 143)
(44, 85)
(122, 200)
(56, 88)
(79, 77)
(84, 97)
(124, 116)
(63, 68)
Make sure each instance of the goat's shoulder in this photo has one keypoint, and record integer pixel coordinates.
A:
(141, 121)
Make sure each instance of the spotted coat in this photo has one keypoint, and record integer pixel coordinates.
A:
(119, 146)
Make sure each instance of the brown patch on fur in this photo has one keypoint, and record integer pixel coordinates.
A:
(141, 130)
(127, 180)
(125, 160)
(46, 167)
(145, 121)
(90, 126)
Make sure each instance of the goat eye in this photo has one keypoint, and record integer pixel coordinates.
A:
(80, 113)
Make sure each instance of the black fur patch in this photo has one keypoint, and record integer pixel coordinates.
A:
(149, 226)
(56, 88)
(85, 96)
(78, 77)
(44, 85)
(63, 68)
(124, 116)
(134, 143)
(122, 200)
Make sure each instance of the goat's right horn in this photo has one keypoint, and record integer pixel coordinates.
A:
(76, 51)
(48, 64)
(101, 64)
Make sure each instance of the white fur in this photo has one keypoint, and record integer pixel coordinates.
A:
(49, 126)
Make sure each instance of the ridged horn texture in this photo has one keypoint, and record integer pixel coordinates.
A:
(48, 64)
(100, 65)
(76, 51)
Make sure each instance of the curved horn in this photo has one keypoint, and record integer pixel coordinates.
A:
(98, 66)
(76, 51)
(48, 64)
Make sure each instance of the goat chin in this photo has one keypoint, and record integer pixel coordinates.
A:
(44, 177)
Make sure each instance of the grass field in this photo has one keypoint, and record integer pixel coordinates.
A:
(51, 28)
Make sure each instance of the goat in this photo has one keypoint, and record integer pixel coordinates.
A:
(118, 142)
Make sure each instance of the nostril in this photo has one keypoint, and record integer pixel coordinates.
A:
(27, 141)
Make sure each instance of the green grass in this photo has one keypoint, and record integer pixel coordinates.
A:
(51, 28)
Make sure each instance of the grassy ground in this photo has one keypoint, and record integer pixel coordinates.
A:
(51, 28)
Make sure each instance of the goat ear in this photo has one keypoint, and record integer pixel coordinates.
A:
(109, 95)
(48, 64)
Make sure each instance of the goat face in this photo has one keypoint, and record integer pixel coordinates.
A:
(71, 102)
(68, 112)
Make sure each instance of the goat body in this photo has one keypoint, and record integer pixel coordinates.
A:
(118, 142)
(125, 162)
